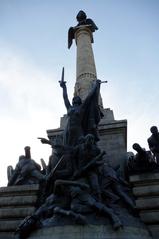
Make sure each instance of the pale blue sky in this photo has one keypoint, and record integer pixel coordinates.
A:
(33, 46)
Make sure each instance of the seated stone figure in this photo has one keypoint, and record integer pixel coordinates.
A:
(27, 171)
(143, 161)
(153, 142)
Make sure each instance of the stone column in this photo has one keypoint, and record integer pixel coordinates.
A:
(85, 63)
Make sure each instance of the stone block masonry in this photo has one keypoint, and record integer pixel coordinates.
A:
(146, 190)
(16, 202)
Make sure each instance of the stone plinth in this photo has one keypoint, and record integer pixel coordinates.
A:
(113, 137)
(146, 190)
(16, 202)
(90, 232)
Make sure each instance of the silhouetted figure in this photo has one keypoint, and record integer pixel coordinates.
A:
(153, 142)
(83, 118)
(58, 203)
(27, 171)
(87, 160)
(45, 211)
(57, 151)
(113, 186)
(143, 161)
(62, 170)
(83, 202)
(82, 20)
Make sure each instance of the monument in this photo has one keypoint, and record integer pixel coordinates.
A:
(113, 133)
(82, 192)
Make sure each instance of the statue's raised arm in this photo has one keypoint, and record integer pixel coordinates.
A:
(65, 95)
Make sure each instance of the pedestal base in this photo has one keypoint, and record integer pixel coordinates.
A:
(146, 191)
(90, 232)
(112, 134)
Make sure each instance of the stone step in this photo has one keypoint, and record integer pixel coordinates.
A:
(148, 203)
(144, 179)
(9, 225)
(19, 190)
(147, 190)
(17, 200)
(16, 212)
(7, 235)
(154, 229)
(150, 216)
(89, 232)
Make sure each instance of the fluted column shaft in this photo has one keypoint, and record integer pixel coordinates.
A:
(85, 64)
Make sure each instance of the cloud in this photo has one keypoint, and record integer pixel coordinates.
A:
(29, 105)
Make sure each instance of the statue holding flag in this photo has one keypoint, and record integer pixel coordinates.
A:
(83, 117)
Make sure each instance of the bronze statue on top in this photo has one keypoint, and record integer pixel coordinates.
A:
(82, 20)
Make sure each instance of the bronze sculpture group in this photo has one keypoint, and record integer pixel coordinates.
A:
(78, 182)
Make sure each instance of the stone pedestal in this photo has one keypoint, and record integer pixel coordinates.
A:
(113, 137)
(90, 232)
(146, 190)
(16, 202)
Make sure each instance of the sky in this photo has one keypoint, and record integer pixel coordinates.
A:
(33, 50)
